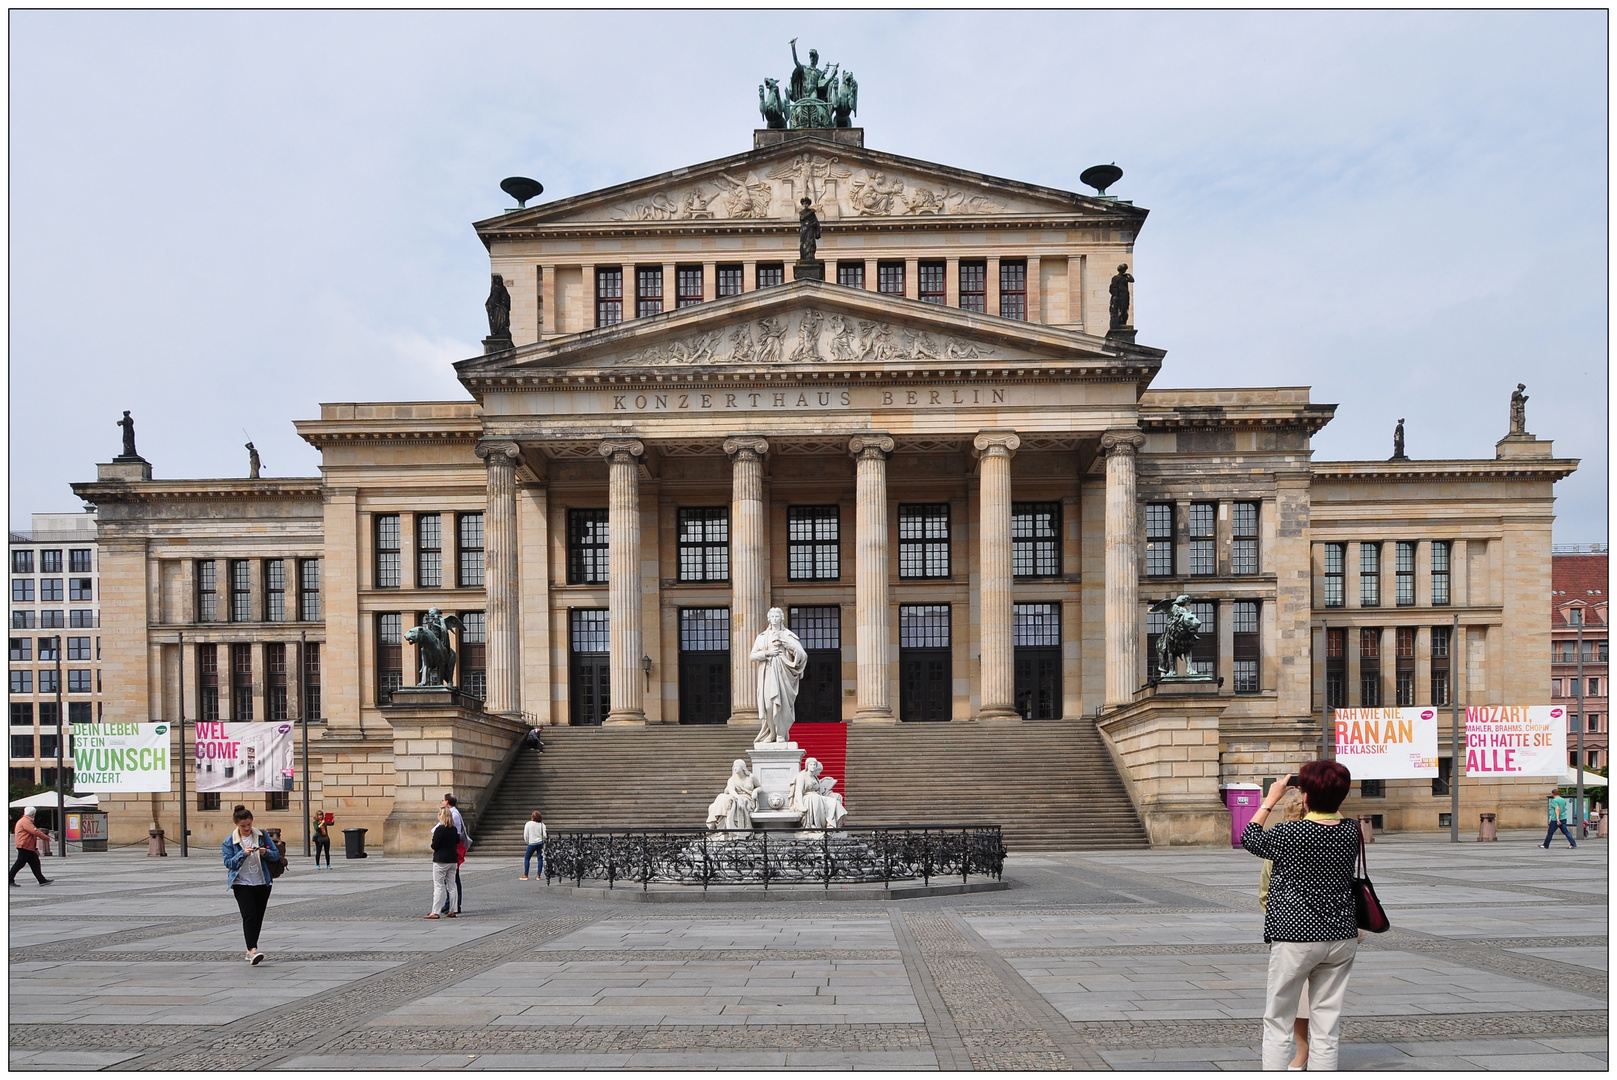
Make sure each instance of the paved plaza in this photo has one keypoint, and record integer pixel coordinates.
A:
(1144, 960)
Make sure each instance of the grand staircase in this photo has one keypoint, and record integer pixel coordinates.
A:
(1050, 784)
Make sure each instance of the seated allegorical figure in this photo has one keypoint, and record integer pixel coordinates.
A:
(813, 798)
(734, 807)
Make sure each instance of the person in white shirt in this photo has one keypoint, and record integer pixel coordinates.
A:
(533, 834)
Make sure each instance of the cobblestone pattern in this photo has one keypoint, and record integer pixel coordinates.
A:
(98, 1036)
(258, 1041)
(873, 1037)
(997, 1032)
(1438, 1027)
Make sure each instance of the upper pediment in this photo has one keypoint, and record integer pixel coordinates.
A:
(843, 182)
(806, 326)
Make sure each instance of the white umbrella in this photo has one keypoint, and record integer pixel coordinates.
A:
(1569, 778)
(48, 798)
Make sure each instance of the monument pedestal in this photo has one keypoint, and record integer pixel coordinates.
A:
(773, 767)
(810, 270)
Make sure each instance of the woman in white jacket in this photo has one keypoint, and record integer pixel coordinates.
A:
(533, 834)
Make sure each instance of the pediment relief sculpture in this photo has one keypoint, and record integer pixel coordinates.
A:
(810, 336)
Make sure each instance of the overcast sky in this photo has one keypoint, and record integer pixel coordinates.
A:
(221, 219)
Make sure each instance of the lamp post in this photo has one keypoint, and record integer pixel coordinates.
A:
(1325, 695)
(1456, 767)
(185, 832)
(303, 712)
(61, 767)
(1582, 687)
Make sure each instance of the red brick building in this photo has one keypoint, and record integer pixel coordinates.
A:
(1579, 588)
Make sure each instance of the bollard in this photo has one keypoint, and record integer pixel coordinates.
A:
(1488, 829)
(1367, 828)
(354, 843)
(154, 844)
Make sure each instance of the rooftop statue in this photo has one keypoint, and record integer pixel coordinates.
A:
(1120, 296)
(498, 306)
(1518, 410)
(128, 424)
(1398, 441)
(816, 97)
(254, 462)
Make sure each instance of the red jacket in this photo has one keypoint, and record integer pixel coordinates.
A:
(28, 835)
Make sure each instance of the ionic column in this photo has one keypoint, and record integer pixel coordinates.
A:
(1122, 567)
(500, 578)
(870, 561)
(623, 564)
(994, 450)
(746, 569)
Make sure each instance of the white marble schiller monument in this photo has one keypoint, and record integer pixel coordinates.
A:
(943, 463)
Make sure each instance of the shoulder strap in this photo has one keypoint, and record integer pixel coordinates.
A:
(1364, 863)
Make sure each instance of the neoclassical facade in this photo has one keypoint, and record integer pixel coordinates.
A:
(933, 450)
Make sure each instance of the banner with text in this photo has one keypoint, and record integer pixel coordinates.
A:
(243, 757)
(1515, 740)
(120, 757)
(1387, 744)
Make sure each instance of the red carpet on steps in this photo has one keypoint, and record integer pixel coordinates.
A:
(827, 744)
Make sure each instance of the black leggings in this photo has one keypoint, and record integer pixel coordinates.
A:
(322, 843)
(29, 859)
(252, 900)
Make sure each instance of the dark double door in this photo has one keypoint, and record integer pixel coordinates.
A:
(589, 666)
(925, 663)
(704, 665)
(819, 697)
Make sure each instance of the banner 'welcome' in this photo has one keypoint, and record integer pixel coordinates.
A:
(1387, 744)
(243, 757)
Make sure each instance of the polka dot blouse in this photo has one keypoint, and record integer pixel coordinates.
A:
(1311, 886)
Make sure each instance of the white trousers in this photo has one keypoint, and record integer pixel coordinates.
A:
(443, 879)
(1322, 966)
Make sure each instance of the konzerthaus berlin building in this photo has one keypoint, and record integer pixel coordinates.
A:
(941, 460)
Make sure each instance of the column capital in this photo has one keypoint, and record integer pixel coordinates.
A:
(745, 447)
(499, 452)
(622, 451)
(996, 443)
(1123, 441)
(871, 446)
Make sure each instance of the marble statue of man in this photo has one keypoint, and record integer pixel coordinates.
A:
(734, 807)
(781, 658)
(813, 798)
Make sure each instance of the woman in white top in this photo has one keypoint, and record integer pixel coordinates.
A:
(533, 834)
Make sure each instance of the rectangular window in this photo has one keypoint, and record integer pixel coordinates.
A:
(1013, 289)
(50, 619)
(275, 697)
(81, 588)
(1244, 645)
(1405, 572)
(1441, 665)
(22, 746)
(813, 538)
(311, 681)
(388, 563)
(589, 666)
(1440, 573)
(923, 540)
(79, 618)
(687, 286)
(275, 590)
(1594, 687)
(429, 551)
(704, 543)
(925, 663)
(78, 681)
(1440, 782)
(22, 562)
(1370, 667)
(1035, 539)
(241, 682)
(1159, 539)
(241, 590)
(22, 648)
(890, 278)
(50, 590)
(78, 648)
(50, 562)
(704, 665)
(851, 274)
(1204, 654)
(389, 654)
(1369, 575)
(588, 549)
(771, 274)
(22, 620)
(820, 631)
(974, 286)
(1336, 669)
(474, 654)
(728, 279)
(1036, 638)
(470, 532)
(930, 279)
(50, 648)
(80, 561)
(1335, 563)
(278, 800)
(22, 590)
(648, 291)
(22, 713)
(1203, 554)
(207, 800)
(78, 712)
(309, 590)
(1244, 538)
(208, 682)
(608, 295)
(1404, 680)
(1555, 687)
(1372, 789)
(48, 743)
(48, 713)
(22, 682)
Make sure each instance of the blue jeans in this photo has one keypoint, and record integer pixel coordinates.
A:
(1551, 834)
(538, 848)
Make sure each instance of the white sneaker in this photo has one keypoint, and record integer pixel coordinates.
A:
(258, 958)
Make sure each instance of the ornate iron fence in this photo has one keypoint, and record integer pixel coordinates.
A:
(788, 857)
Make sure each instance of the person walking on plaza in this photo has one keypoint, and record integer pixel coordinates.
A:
(1291, 809)
(1557, 811)
(1310, 921)
(533, 834)
(452, 804)
(322, 839)
(445, 859)
(247, 874)
(28, 837)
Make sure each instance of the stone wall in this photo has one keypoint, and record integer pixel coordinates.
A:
(1167, 751)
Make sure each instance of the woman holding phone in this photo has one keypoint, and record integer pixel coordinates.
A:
(246, 875)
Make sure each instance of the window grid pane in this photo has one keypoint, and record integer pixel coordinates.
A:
(1036, 624)
(728, 280)
(1440, 572)
(648, 291)
(1370, 575)
(387, 551)
(704, 544)
(1335, 562)
(1244, 533)
(771, 274)
(1203, 559)
(309, 590)
(817, 627)
(923, 540)
(974, 286)
(1405, 573)
(1159, 539)
(591, 630)
(688, 285)
(923, 626)
(890, 278)
(429, 542)
(588, 549)
(813, 535)
(930, 277)
(241, 596)
(704, 629)
(471, 551)
(608, 296)
(851, 274)
(1013, 289)
(1035, 539)
(274, 590)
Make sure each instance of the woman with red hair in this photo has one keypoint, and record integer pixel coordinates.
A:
(1310, 922)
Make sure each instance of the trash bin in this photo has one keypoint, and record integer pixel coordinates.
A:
(1367, 828)
(1243, 801)
(354, 843)
(154, 844)
(1488, 829)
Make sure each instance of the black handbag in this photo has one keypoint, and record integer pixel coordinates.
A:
(1371, 915)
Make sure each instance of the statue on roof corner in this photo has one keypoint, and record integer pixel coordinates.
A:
(1518, 410)
(1398, 442)
(128, 424)
(498, 306)
(1120, 296)
(815, 97)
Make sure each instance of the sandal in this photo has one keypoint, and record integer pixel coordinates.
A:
(434, 915)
